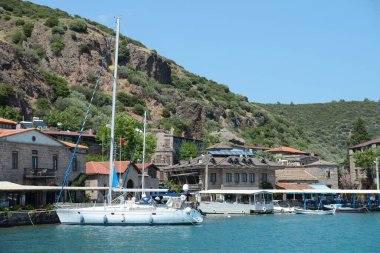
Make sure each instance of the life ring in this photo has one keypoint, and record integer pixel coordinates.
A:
(264, 209)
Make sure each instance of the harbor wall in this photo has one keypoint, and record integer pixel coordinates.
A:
(22, 218)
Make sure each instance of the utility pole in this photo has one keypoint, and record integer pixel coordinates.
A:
(377, 173)
(206, 173)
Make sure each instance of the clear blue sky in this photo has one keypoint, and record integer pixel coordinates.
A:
(294, 50)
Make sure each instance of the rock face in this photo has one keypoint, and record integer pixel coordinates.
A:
(151, 63)
(192, 113)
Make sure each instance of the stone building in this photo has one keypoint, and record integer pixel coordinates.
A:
(7, 124)
(167, 149)
(30, 157)
(358, 176)
(98, 175)
(226, 170)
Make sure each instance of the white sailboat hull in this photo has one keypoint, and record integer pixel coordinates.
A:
(122, 216)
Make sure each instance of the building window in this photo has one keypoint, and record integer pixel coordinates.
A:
(252, 177)
(328, 173)
(75, 164)
(55, 162)
(213, 178)
(264, 177)
(14, 160)
(34, 160)
(244, 177)
(167, 143)
(236, 177)
(228, 177)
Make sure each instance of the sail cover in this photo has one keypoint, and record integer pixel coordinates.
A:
(115, 180)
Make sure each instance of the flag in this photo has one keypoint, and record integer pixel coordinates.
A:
(122, 142)
(115, 180)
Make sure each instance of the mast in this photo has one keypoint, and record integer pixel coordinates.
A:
(143, 159)
(113, 111)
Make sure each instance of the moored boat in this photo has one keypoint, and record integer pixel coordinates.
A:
(313, 212)
(339, 208)
(176, 211)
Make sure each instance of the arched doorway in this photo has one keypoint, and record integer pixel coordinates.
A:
(130, 184)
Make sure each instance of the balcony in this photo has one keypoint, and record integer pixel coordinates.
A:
(39, 173)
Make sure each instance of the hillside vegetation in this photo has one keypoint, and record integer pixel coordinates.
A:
(329, 125)
(49, 63)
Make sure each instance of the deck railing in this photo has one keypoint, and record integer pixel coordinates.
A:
(39, 172)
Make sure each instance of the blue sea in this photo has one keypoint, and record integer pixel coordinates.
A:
(256, 233)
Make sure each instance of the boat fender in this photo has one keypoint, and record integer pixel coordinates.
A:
(105, 220)
(264, 209)
(150, 220)
(188, 210)
(282, 210)
(81, 218)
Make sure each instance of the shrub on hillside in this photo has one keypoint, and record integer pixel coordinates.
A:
(123, 72)
(139, 109)
(28, 29)
(51, 22)
(40, 51)
(73, 36)
(19, 22)
(84, 49)
(123, 56)
(5, 91)
(129, 100)
(59, 29)
(18, 37)
(78, 25)
(58, 84)
(56, 44)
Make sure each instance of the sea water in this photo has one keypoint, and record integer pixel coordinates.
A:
(256, 233)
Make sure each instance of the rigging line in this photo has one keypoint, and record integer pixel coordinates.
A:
(64, 182)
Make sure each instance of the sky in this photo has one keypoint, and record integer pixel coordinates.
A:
(270, 50)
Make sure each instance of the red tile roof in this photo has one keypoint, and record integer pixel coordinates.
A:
(7, 121)
(289, 186)
(8, 132)
(286, 150)
(72, 145)
(294, 175)
(104, 167)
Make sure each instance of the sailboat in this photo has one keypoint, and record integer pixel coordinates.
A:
(175, 212)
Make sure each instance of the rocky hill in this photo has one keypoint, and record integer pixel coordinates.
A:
(49, 62)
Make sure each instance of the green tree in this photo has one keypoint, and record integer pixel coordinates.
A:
(125, 128)
(365, 160)
(187, 150)
(359, 133)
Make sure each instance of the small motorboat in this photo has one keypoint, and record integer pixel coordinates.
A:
(339, 208)
(313, 212)
(280, 209)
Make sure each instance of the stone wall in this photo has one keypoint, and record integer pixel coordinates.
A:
(22, 218)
